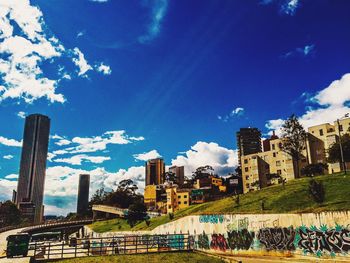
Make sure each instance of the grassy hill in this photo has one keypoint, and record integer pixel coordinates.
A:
(292, 198)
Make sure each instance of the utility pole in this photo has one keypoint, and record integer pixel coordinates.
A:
(341, 146)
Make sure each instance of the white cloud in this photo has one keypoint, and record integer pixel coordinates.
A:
(331, 103)
(236, 112)
(223, 160)
(26, 50)
(80, 61)
(78, 159)
(11, 176)
(104, 69)
(10, 142)
(99, 143)
(21, 114)
(305, 51)
(8, 157)
(289, 7)
(159, 9)
(62, 142)
(147, 155)
(6, 187)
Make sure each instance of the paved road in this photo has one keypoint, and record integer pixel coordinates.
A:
(3, 244)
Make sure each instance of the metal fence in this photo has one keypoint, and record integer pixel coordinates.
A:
(135, 244)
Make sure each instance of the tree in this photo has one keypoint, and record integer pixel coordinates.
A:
(98, 197)
(136, 212)
(127, 186)
(9, 214)
(317, 191)
(334, 155)
(202, 172)
(170, 177)
(293, 141)
(314, 169)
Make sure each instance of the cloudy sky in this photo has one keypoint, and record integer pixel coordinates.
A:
(125, 81)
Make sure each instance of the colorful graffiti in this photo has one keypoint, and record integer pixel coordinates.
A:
(323, 240)
(213, 219)
(243, 223)
(203, 241)
(277, 238)
(240, 240)
(218, 242)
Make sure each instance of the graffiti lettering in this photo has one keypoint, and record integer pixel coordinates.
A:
(318, 241)
(214, 219)
(218, 242)
(277, 238)
(203, 241)
(243, 223)
(242, 239)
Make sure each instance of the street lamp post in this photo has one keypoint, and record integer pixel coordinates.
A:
(340, 144)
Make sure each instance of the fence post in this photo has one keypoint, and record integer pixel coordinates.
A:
(137, 240)
(147, 244)
(101, 247)
(62, 249)
(48, 252)
(75, 250)
(113, 252)
(124, 244)
(35, 249)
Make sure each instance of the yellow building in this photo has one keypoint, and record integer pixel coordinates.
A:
(209, 182)
(177, 199)
(150, 195)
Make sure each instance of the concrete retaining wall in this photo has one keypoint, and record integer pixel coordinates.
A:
(323, 235)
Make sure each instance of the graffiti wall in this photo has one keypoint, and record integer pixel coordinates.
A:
(323, 235)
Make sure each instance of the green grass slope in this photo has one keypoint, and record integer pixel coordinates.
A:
(292, 198)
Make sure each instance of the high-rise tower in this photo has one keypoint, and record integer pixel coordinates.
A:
(83, 194)
(31, 181)
(155, 170)
(248, 142)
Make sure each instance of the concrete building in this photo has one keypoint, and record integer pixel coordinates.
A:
(83, 194)
(155, 171)
(259, 170)
(179, 171)
(248, 142)
(320, 139)
(30, 188)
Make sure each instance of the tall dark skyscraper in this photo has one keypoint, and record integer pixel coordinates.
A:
(155, 170)
(179, 171)
(83, 194)
(31, 181)
(248, 142)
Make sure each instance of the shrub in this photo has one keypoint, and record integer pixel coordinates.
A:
(317, 191)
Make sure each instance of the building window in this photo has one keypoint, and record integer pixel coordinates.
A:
(273, 146)
(340, 127)
(185, 196)
(274, 154)
(185, 203)
(179, 196)
(247, 177)
(179, 203)
(169, 206)
(279, 172)
(278, 163)
(246, 169)
(321, 132)
(245, 161)
(247, 186)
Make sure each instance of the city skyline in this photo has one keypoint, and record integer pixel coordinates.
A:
(171, 79)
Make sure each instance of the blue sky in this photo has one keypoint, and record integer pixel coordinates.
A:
(123, 81)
